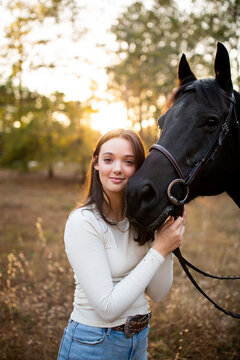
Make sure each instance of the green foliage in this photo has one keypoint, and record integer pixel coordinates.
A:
(218, 20)
(43, 130)
(149, 45)
(23, 50)
(35, 129)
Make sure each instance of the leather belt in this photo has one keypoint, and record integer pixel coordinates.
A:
(134, 324)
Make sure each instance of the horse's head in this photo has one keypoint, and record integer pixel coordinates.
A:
(190, 128)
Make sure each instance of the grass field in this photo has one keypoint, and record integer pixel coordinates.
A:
(36, 282)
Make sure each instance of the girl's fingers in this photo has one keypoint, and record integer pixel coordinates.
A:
(178, 222)
(182, 230)
(185, 215)
(168, 223)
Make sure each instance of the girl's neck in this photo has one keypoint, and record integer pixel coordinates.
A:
(117, 210)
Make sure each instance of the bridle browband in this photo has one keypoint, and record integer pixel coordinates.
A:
(186, 181)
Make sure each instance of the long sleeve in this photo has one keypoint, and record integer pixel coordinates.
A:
(87, 255)
(162, 280)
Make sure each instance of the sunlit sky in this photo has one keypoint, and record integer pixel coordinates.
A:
(99, 16)
(75, 81)
(85, 62)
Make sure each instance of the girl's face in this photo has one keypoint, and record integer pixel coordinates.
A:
(116, 165)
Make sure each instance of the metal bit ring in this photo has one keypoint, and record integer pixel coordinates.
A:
(173, 200)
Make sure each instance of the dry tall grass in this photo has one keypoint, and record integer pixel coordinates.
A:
(36, 283)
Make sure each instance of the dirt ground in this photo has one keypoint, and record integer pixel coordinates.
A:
(36, 282)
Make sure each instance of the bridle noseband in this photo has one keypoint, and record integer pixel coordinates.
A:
(186, 181)
(181, 178)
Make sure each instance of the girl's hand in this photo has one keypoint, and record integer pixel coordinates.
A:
(170, 235)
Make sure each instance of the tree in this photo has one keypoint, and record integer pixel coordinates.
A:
(149, 43)
(51, 130)
(34, 127)
(218, 20)
(22, 49)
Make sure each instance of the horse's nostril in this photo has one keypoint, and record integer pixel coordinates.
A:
(147, 194)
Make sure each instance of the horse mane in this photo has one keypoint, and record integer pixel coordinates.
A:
(200, 86)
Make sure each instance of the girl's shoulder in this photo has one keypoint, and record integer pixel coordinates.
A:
(86, 219)
(85, 213)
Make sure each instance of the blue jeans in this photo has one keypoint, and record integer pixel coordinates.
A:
(83, 342)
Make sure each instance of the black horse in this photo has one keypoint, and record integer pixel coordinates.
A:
(199, 147)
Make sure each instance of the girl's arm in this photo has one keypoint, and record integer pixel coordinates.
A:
(162, 280)
(87, 255)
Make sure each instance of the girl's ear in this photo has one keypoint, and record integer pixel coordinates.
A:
(95, 163)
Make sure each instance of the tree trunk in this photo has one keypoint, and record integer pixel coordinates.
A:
(50, 171)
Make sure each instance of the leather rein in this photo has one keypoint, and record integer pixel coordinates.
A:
(210, 154)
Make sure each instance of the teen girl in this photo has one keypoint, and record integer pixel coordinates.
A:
(113, 273)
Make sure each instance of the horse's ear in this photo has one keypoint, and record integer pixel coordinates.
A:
(222, 68)
(185, 74)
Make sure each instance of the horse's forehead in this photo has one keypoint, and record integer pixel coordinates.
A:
(188, 104)
(198, 97)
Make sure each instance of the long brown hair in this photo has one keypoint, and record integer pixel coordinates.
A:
(94, 190)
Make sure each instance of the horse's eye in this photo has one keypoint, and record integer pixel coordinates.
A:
(211, 122)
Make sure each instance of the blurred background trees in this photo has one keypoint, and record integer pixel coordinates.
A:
(150, 43)
(41, 130)
(38, 130)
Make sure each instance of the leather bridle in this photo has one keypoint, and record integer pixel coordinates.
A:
(186, 181)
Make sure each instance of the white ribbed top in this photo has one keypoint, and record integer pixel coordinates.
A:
(112, 272)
